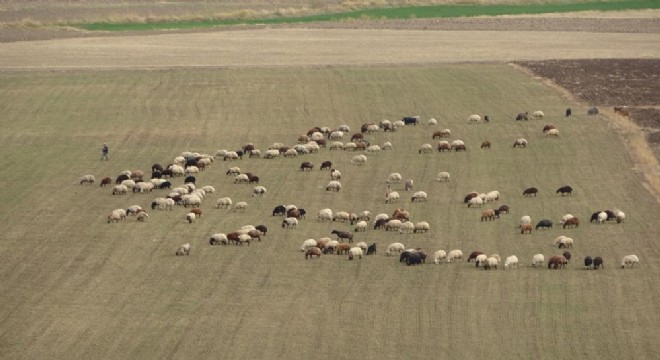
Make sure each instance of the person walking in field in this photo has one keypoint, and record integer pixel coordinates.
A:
(104, 152)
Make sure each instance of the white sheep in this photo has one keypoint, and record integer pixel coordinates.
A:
(398, 124)
(336, 135)
(419, 196)
(336, 145)
(480, 260)
(143, 187)
(191, 170)
(372, 149)
(439, 256)
(240, 206)
(87, 179)
(271, 154)
(381, 216)
(223, 203)
(629, 261)
(565, 218)
(474, 118)
(425, 149)
(220, 154)
(491, 263)
(209, 189)
(259, 191)
(364, 215)
(290, 223)
(120, 190)
(393, 178)
(183, 250)
(492, 196)
(350, 146)
(333, 185)
(393, 225)
(602, 217)
(342, 216)
(455, 255)
(325, 214)
(409, 184)
(552, 133)
(134, 210)
(218, 238)
(142, 216)
(160, 204)
(443, 176)
(335, 174)
(359, 160)
(308, 244)
(432, 121)
(520, 142)
(476, 201)
(191, 217)
(538, 260)
(355, 252)
(406, 227)
(179, 160)
(361, 226)
(191, 200)
(394, 247)
(316, 136)
(177, 170)
(538, 115)
(525, 220)
(391, 197)
(117, 215)
(241, 179)
(620, 216)
(362, 245)
(372, 128)
(422, 227)
(511, 262)
(128, 183)
(563, 242)
(387, 146)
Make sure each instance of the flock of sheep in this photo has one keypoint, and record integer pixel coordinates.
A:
(188, 195)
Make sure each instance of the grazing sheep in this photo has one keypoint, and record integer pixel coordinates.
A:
(432, 121)
(387, 146)
(488, 215)
(406, 227)
(572, 222)
(361, 226)
(375, 149)
(337, 145)
(522, 116)
(563, 242)
(511, 262)
(342, 216)
(87, 180)
(183, 250)
(362, 245)
(134, 210)
(120, 190)
(548, 127)
(409, 184)
(419, 196)
(474, 118)
(602, 217)
(588, 261)
(538, 260)
(620, 216)
(355, 252)
(290, 223)
(629, 261)
(598, 262)
(592, 111)
(391, 197)
(552, 133)
(526, 228)
(485, 144)
(191, 200)
(567, 255)
(241, 179)
(538, 115)
(544, 224)
(475, 202)
(333, 185)
(325, 214)
(308, 244)
(105, 181)
(311, 252)
(564, 190)
(454, 256)
(341, 235)
(425, 149)
(191, 217)
(335, 174)
(439, 256)
(342, 248)
(223, 203)
(444, 146)
(393, 178)
(422, 227)
(480, 260)
(557, 262)
(520, 143)
(259, 191)
(326, 165)
(117, 215)
(307, 166)
(442, 176)
(218, 239)
(240, 206)
(532, 191)
(394, 247)
(491, 263)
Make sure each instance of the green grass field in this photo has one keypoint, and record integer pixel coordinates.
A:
(75, 287)
(403, 12)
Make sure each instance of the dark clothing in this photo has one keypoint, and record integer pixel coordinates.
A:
(105, 150)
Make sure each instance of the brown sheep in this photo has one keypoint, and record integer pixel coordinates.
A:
(342, 248)
(488, 214)
(106, 181)
(197, 212)
(485, 144)
(572, 222)
(526, 228)
(313, 252)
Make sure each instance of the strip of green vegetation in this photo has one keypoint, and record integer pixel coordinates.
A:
(437, 11)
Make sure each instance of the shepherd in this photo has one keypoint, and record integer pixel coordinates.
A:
(104, 152)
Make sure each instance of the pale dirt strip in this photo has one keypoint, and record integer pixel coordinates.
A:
(314, 47)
